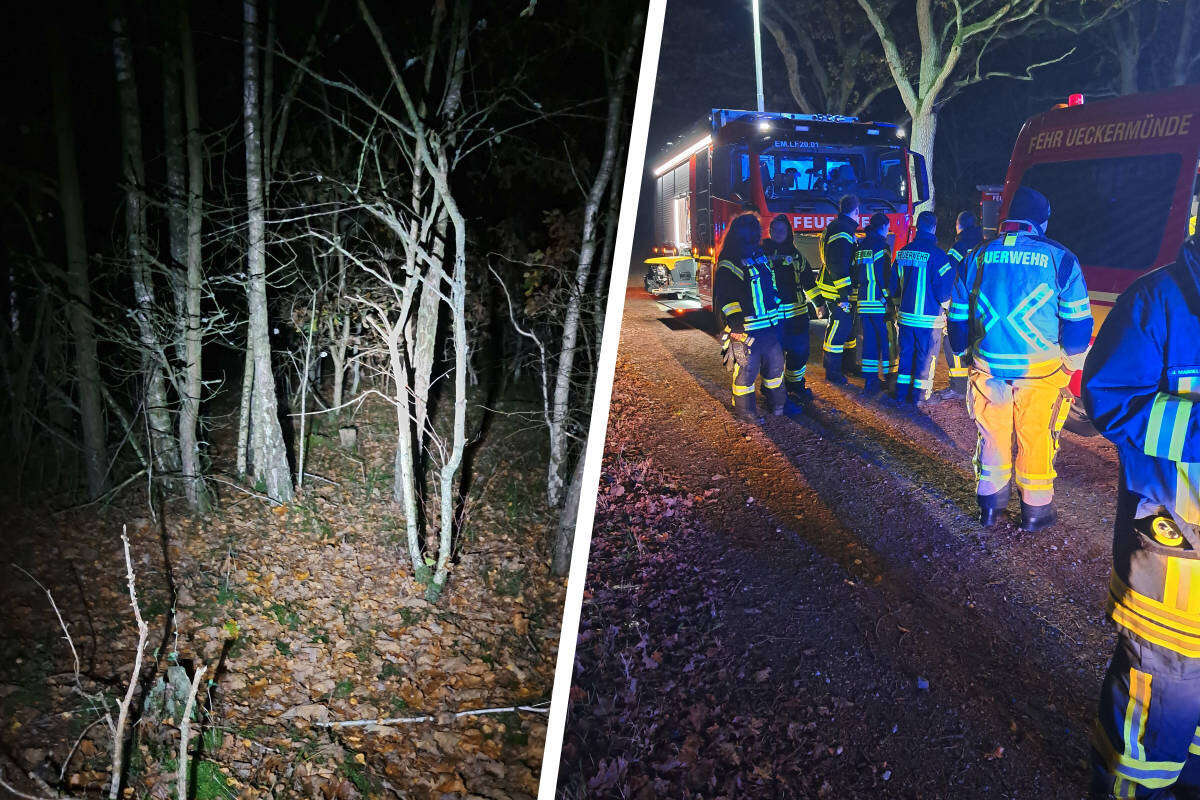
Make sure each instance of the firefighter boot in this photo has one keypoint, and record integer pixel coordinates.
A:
(745, 408)
(1036, 518)
(991, 506)
(871, 386)
(799, 393)
(833, 369)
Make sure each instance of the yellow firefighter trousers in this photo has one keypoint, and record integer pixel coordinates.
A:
(1035, 409)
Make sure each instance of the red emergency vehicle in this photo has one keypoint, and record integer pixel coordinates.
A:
(1121, 177)
(796, 164)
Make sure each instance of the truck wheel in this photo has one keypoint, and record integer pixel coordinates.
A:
(1079, 423)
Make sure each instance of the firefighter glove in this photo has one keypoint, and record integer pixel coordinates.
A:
(736, 352)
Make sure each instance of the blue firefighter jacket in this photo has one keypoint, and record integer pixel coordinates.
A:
(1021, 308)
(837, 250)
(921, 282)
(1141, 381)
(967, 241)
(747, 294)
(872, 274)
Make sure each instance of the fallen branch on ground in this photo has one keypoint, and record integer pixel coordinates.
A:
(118, 744)
(540, 708)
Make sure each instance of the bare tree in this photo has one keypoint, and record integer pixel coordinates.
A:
(560, 398)
(951, 41)
(163, 447)
(189, 412)
(79, 310)
(268, 453)
(1153, 43)
(829, 54)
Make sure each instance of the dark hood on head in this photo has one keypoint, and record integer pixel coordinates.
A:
(971, 236)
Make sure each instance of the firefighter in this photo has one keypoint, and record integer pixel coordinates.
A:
(969, 237)
(797, 289)
(1021, 316)
(834, 285)
(1140, 383)
(921, 282)
(747, 294)
(872, 276)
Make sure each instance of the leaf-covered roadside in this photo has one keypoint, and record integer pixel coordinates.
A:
(668, 702)
(309, 614)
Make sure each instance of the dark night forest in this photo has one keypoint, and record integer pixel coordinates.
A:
(301, 308)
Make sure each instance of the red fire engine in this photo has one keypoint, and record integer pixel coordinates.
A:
(796, 164)
(1121, 177)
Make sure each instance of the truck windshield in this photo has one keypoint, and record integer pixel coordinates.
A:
(1110, 212)
(798, 180)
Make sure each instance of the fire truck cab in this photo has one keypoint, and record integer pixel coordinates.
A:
(1122, 179)
(799, 165)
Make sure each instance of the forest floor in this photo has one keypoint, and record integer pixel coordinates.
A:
(304, 614)
(809, 609)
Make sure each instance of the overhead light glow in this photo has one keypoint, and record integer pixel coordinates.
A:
(678, 159)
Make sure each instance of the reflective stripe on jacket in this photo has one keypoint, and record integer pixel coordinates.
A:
(872, 274)
(837, 249)
(794, 277)
(1141, 382)
(747, 294)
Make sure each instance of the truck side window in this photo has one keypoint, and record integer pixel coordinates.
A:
(1111, 212)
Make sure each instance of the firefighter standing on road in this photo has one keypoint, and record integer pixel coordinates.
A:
(834, 285)
(1140, 385)
(797, 288)
(1021, 315)
(872, 276)
(746, 292)
(969, 237)
(922, 281)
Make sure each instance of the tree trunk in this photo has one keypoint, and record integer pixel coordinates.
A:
(564, 537)
(268, 454)
(449, 471)
(1185, 53)
(404, 483)
(164, 450)
(87, 367)
(425, 333)
(560, 399)
(602, 289)
(189, 410)
(176, 200)
(924, 130)
(243, 446)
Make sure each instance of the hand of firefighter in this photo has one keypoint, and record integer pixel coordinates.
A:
(819, 310)
(735, 350)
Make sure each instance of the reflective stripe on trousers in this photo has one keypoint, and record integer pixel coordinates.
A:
(1033, 408)
(795, 351)
(1145, 740)
(841, 330)
(918, 356)
(876, 345)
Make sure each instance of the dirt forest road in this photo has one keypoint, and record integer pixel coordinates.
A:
(944, 660)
